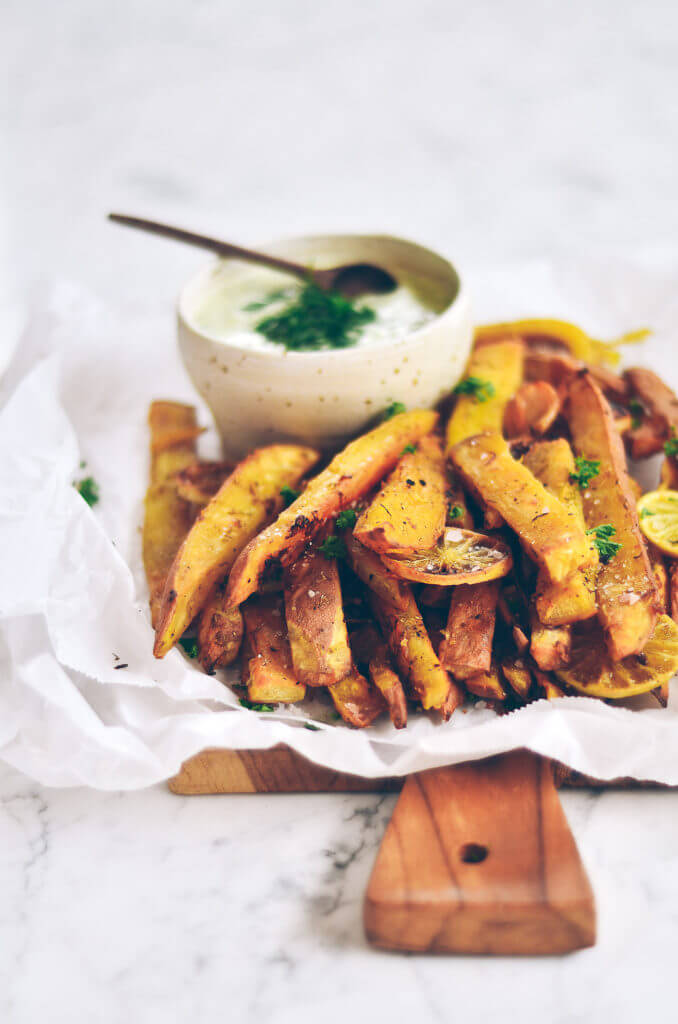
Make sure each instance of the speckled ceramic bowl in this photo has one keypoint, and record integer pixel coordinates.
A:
(325, 398)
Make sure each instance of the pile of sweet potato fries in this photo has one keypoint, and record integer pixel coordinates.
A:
(495, 553)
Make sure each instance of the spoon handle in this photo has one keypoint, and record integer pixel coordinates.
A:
(213, 244)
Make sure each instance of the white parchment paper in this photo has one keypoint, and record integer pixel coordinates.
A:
(73, 602)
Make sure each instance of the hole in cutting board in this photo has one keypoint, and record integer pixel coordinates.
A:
(473, 853)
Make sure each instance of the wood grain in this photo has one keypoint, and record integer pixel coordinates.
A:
(478, 858)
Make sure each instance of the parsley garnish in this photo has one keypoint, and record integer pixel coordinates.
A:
(316, 319)
(671, 447)
(585, 470)
(480, 389)
(288, 494)
(311, 727)
(409, 449)
(256, 707)
(645, 512)
(637, 411)
(394, 409)
(88, 489)
(456, 512)
(607, 548)
(346, 519)
(333, 547)
(190, 645)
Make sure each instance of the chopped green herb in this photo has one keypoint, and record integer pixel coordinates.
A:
(480, 389)
(316, 319)
(607, 548)
(289, 494)
(637, 411)
(254, 307)
(456, 512)
(671, 447)
(88, 489)
(394, 409)
(256, 707)
(645, 512)
(190, 645)
(311, 727)
(585, 470)
(409, 449)
(346, 519)
(333, 547)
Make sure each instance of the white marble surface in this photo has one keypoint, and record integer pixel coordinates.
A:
(498, 131)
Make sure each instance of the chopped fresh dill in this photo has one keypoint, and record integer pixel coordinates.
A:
(256, 707)
(409, 449)
(277, 296)
(585, 470)
(394, 409)
(88, 489)
(456, 512)
(288, 494)
(311, 727)
(637, 411)
(333, 547)
(479, 389)
(607, 548)
(316, 319)
(190, 645)
(346, 519)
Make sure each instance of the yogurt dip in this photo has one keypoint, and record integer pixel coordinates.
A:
(236, 298)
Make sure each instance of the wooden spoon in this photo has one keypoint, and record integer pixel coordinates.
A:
(350, 279)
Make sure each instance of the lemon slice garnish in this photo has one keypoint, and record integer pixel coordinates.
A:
(658, 516)
(460, 556)
(592, 672)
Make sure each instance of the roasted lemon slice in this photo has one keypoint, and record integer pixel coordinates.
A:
(658, 515)
(592, 672)
(460, 556)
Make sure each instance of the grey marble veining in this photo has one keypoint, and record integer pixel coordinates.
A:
(496, 131)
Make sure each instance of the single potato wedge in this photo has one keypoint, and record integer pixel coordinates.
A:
(466, 649)
(532, 410)
(315, 620)
(357, 702)
(550, 646)
(408, 512)
(517, 674)
(574, 599)
(549, 532)
(220, 632)
(498, 369)
(487, 686)
(248, 499)
(350, 474)
(626, 592)
(267, 661)
(370, 650)
(167, 517)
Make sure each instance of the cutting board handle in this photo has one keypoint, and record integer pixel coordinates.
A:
(479, 858)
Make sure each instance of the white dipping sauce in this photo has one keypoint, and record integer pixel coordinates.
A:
(237, 297)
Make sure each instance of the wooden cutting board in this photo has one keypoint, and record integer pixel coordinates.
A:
(477, 858)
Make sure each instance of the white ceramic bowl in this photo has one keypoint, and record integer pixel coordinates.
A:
(325, 398)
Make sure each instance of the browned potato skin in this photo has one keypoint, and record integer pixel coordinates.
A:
(409, 511)
(548, 685)
(661, 419)
(387, 681)
(548, 532)
(487, 685)
(220, 632)
(574, 599)
(374, 574)
(466, 649)
(357, 702)
(350, 474)
(267, 660)
(167, 517)
(249, 498)
(550, 646)
(628, 604)
(315, 620)
(200, 481)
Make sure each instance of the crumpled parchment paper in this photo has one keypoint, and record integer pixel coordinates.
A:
(73, 602)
